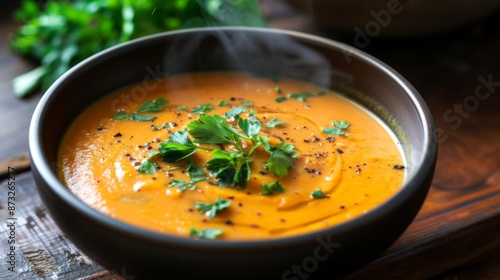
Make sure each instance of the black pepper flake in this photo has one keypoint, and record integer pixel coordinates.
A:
(258, 213)
(315, 139)
(127, 154)
(100, 128)
(229, 222)
(173, 124)
(230, 197)
(306, 140)
(118, 135)
(342, 207)
(398, 167)
(118, 141)
(282, 220)
(190, 209)
(263, 172)
(240, 204)
(340, 151)
(330, 139)
(204, 220)
(232, 98)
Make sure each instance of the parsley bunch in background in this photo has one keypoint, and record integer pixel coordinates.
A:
(60, 34)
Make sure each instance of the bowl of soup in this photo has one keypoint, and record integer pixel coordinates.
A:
(237, 153)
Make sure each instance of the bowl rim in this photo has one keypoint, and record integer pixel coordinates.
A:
(41, 163)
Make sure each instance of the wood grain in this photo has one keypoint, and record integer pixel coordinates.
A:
(456, 235)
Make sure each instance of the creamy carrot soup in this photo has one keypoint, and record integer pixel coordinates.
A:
(230, 156)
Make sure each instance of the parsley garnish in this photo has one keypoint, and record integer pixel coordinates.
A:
(147, 167)
(275, 123)
(206, 233)
(277, 89)
(230, 168)
(211, 209)
(235, 112)
(268, 189)
(300, 96)
(202, 109)
(195, 174)
(318, 194)
(338, 129)
(247, 103)
(151, 106)
(222, 103)
(182, 108)
(280, 99)
(155, 127)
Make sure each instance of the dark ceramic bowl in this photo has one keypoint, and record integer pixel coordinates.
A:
(143, 254)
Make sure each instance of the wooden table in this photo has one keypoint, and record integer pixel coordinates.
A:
(456, 235)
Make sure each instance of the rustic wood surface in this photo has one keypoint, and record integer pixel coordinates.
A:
(456, 235)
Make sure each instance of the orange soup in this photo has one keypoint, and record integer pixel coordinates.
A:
(230, 156)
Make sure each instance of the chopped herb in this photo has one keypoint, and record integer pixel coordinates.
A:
(182, 108)
(275, 123)
(280, 99)
(318, 194)
(202, 109)
(206, 233)
(147, 167)
(151, 106)
(341, 124)
(301, 96)
(338, 129)
(235, 112)
(211, 209)
(268, 189)
(251, 113)
(195, 174)
(277, 89)
(222, 103)
(155, 127)
(230, 168)
(247, 103)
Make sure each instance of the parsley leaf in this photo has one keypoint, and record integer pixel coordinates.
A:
(151, 106)
(281, 159)
(222, 103)
(223, 165)
(202, 109)
(147, 167)
(250, 128)
(280, 99)
(211, 209)
(275, 123)
(247, 103)
(179, 147)
(269, 188)
(182, 185)
(213, 129)
(235, 112)
(318, 194)
(206, 233)
(338, 129)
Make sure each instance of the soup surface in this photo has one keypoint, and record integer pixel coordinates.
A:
(230, 156)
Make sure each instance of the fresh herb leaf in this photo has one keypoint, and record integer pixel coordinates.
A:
(341, 124)
(152, 106)
(242, 174)
(251, 113)
(318, 194)
(147, 167)
(202, 109)
(250, 128)
(222, 103)
(235, 112)
(179, 147)
(182, 108)
(281, 159)
(195, 173)
(339, 128)
(334, 131)
(269, 188)
(278, 89)
(213, 129)
(247, 103)
(155, 127)
(301, 96)
(275, 123)
(280, 99)
(211, 209)
(182, 185)
(223, 165)
(206, 233)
